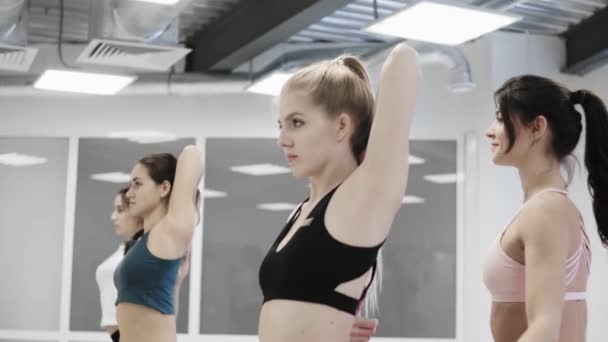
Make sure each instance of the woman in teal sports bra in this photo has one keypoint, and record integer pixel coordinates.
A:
(164, 192)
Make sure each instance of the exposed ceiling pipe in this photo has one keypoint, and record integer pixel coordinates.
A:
(205, 84)
(145, 20)
(286, 52)
(459, 71)
(374, 55)
(301, 55)
(10, 12)
(459, 77)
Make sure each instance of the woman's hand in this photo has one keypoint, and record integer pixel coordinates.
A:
(363, 329)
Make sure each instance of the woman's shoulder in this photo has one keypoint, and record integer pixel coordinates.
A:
(549, 213)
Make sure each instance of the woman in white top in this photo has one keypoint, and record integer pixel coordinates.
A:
(130, 228)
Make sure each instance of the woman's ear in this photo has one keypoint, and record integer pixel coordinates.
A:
(539, 127)
(165, 189)
(344, 126)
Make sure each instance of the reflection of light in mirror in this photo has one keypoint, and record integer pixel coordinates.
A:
(445, 178)
(112, 177)
(412, 199)
(208, 193)
(260, 169)
(279, 206)
(18, 159)
(144, 137)
(413, 160)
(442, 257)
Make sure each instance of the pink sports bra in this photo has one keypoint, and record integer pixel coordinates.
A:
(505, 277)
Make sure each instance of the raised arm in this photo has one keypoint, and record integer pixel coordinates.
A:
(182, 213)
(371, 196)
(386, 158)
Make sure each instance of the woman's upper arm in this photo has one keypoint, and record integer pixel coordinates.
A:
(182, 206)
(385, 167)
(546, 244)
(372, 194)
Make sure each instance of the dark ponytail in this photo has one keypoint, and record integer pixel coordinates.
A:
(596, 156)
(129, 243)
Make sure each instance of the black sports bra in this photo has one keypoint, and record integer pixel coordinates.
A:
(313, 263)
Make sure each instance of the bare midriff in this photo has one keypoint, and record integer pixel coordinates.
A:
(288, 320)
(138, 323)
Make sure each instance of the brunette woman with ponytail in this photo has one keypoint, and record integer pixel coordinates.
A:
(538, 267)
(130, 228)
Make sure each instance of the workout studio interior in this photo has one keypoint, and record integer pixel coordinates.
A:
(303, 170)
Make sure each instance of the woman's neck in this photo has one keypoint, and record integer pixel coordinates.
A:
(331, 177)
(152, 219)
(540, 174)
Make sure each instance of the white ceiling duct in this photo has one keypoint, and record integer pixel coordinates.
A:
(13, 35)
(10, 12)
(459, 78)
(144, 20)
(134, 34)
(285, 55)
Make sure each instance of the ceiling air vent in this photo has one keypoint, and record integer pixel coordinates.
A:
(16, 58)
(132, 55)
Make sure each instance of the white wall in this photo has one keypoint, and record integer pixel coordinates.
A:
(440, 115)
(225, 115)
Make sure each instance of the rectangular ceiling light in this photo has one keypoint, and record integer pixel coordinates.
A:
(144, 137)
(208, 193)
(270, 84)
(445, 178)
(412, 199)
(83, 82)
(112, 177)
(279, 206)
(18, 159)
(260, 169)
(442, 22)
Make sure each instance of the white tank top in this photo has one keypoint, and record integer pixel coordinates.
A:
(107, 291)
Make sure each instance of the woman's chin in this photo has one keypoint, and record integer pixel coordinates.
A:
(298, 173)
